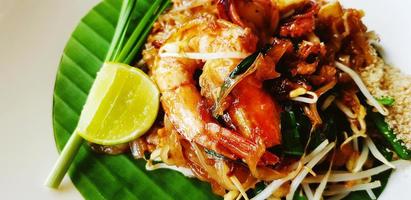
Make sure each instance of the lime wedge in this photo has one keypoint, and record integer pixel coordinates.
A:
(121, 106)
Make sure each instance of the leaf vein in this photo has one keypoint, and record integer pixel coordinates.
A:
(94, 31)
(68, 105)
(78, 65)
(112, 6)
(104, 17)
(85, 93)
(88, 50)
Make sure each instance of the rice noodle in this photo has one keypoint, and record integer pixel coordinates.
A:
(300, 177)
(312, 100)
(337, 189)
(307, 190)
(361, 159)
(362, 87)
(374, 151)
(340, 177)
(185, 171)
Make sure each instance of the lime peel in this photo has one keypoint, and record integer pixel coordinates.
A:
(122, 105)
(116, 111)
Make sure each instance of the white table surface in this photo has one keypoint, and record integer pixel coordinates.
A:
(32, 37)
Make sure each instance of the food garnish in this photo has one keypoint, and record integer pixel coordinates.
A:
(116, 111)
(262, 99)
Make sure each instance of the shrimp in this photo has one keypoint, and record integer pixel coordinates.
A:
(262, 16)
(182, 102)
(174, 75)
(252, 111)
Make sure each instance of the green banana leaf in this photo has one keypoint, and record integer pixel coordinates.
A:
(103, 176)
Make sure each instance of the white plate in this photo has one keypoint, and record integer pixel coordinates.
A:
(32, 36)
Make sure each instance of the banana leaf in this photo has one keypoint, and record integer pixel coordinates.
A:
(103, 176)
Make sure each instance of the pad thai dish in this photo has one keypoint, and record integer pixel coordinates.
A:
(273, 99)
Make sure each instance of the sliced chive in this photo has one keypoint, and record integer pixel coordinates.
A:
(397, 145)
(386, 101)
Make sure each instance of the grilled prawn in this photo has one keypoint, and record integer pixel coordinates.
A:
(222, 45)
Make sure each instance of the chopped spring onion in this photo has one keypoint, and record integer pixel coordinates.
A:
(131, 53)
(396, 144)
(376, 153)
(260, 186)
(242, 70)
(337, 189)
(386, 101)
(303, 173)
(291, 138)
(118, 46)
(185, 171)
(215, 154)
(299, 196)
(348, 176)
(126, 51)
(310, 100)
(362, 87)
(361, 159)
(245, 68)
